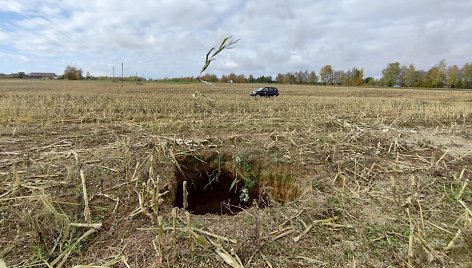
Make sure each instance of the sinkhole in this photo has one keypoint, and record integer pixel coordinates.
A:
(218, 183)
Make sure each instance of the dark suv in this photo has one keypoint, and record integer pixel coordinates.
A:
(265, 91)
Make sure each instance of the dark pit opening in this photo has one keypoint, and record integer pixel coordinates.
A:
(212, 184)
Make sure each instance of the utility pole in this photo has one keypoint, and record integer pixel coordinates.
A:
(113, 73)
(122, 74)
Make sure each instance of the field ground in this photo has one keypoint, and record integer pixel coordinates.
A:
(317, 177)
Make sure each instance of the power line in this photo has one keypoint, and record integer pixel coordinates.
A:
(59, 37)
(37, 14)
(47, 22)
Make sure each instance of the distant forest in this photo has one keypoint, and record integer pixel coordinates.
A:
(394, 75)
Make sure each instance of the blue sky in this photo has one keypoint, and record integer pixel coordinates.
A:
(167, 38)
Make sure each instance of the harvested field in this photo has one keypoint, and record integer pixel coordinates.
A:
(92, 173)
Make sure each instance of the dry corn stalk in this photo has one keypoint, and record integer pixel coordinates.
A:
(189, 231)
(84, 191)
(149, 198)
(174, 232)
(2, 264)
(222, 238)
(159, 235)
(411, 240)
(17, 183)
(266, 260)
(467, 209)
(90, 266)
(307, 229)
(453, 240)
(60, 260)
(314, 261)
(86, 225)
(185, 196)
(284, 233)
(234, 262)
(394, 189)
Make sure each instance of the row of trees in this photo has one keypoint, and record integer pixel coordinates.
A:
(438, 76)
(327, 76)
(231, 78)
(394, 75)
(353, 77)
(74, 73)
(13, 75)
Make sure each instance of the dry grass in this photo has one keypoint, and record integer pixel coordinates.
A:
(355, 176)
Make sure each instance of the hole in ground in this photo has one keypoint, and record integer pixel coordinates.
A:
(217, 183)
(212, 185)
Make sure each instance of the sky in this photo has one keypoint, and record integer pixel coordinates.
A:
(169, 38)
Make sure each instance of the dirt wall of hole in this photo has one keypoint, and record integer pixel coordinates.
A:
(221, 183)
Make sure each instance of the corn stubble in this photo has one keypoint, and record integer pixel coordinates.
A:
(87, 176)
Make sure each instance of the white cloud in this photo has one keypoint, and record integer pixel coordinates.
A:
(10, 6)
(170, 38)
(6, 57)
(3, 36)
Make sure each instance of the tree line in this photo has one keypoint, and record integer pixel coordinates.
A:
(393, 75)
(438, 76)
